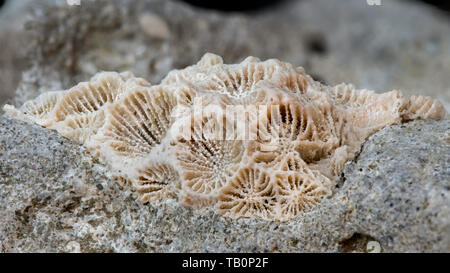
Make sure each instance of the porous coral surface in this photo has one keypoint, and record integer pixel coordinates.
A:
(255, 139)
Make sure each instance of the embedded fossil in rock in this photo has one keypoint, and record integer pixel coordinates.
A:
(255, 139)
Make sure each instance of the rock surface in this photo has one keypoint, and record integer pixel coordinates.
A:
(54, 197)
(400, 187)
(398, 45)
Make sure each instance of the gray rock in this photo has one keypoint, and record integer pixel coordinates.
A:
(398, 45)
(54, 197)
(400, 187)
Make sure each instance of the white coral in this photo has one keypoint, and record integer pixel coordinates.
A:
(259, 138)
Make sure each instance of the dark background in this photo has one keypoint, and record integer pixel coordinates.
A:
(250, 5)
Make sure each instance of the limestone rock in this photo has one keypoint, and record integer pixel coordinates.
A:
(400, 187)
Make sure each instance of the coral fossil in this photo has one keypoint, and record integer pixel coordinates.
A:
(251, 139)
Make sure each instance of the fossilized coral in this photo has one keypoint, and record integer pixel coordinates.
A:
(137, 122)
(259, 138)
(297, 192)
(156, 181)
(249, 193)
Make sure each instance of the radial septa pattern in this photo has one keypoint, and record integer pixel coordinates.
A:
(297, 192)
(91, 96)
(139, 122)
(208, 164)
(81, 127)
(157, 181)
(423, 107)
(249, 193)
(41, 108)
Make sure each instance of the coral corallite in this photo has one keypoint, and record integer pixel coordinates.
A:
(255, 139)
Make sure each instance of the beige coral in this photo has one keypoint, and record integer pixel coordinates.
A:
(156, 181)
(239, 80)
(423, 107)
(136, 123)
(80, 127)
(76, 113)
(207, 160)
(292, 125)
(258, 138)
(40, 109)
(297, 192)
(249, 193)
(89, 97)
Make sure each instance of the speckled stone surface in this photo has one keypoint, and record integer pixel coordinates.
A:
(54, 197)
(400, 187)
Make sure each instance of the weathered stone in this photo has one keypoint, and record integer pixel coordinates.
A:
(400, 186)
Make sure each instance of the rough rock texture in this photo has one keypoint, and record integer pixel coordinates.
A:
(55, 197)
(400, 187)
(398, 45)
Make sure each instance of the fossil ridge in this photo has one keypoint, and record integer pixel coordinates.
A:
(255, 139)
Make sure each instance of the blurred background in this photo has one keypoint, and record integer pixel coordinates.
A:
(398, 44)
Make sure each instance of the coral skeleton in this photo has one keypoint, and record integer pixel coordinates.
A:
(255, 139)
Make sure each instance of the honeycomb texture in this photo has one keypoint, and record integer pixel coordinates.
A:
(254, 139)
